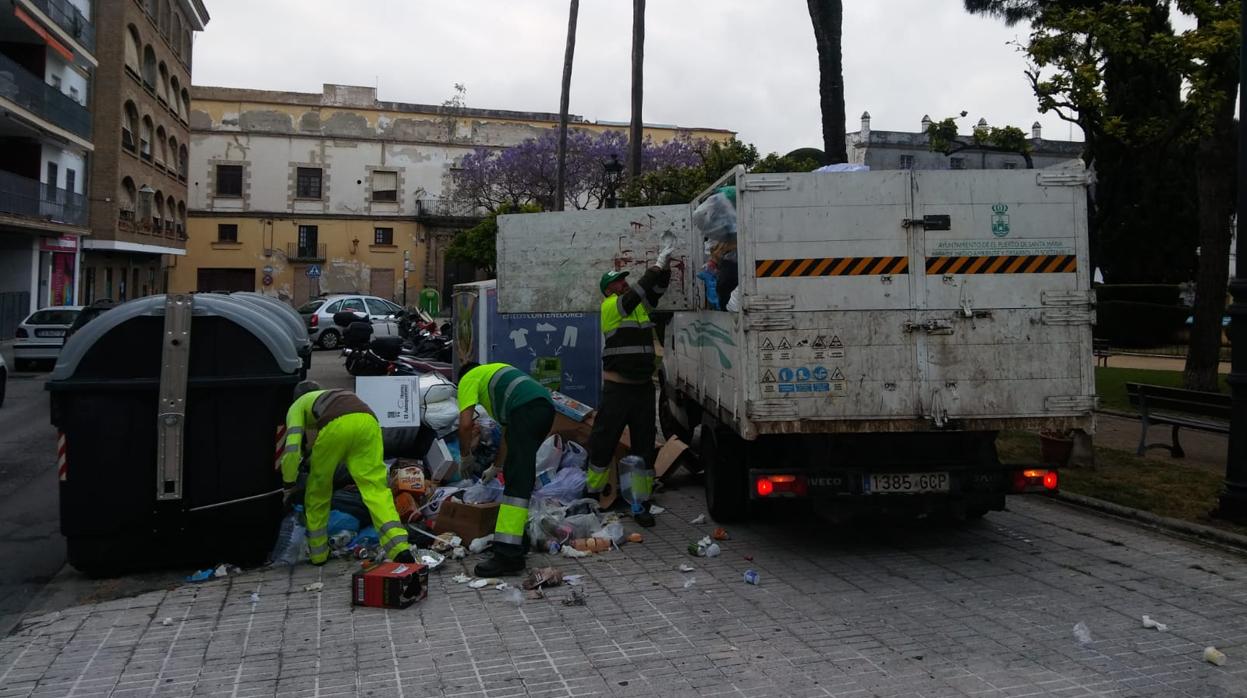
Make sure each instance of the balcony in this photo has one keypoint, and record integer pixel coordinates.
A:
(68, 17)
(32, 199)
(452, 212)
(29, 92)
(305, 253)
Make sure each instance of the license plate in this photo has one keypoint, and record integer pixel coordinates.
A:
(49, 333)
(905, 483)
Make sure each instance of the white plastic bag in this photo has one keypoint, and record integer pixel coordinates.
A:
(442, 417)
(549, 456)
(715, 217)
(567, 485)
(614, 532)
(574, 456)
(434, 388)
(733, 302)
(483, 492)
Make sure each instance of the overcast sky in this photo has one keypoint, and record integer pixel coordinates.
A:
(745, 65)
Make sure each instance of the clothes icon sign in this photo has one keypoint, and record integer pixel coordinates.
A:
(820, 373)
(785, 375)
(803, 374)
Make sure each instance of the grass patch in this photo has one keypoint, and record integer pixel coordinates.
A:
(1110, 384)
(1165, 489)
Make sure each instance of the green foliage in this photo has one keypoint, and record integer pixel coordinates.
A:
(943, 138)
(478, 245)
(679, 185)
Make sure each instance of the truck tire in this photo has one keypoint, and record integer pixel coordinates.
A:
(723, 459)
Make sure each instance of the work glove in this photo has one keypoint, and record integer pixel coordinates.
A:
(291, 495)
(490, 473)
(664, 257)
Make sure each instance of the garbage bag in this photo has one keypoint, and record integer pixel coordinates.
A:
(434, 504)
(490, 441)
(340, 521)
(434, 389)
(549, 457)
(406, 442)
(483, 492)
(715, 217)
(350, 501)
(567, 485)
(711, 281)
(733, 303)
(614, 532)
(441, 417)
(574, 456)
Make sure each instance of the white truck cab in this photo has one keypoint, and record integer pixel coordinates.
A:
(890, 324)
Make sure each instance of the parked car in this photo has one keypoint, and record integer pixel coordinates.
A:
(40, 336)
(89, 313)
(318, 313)
(4, 379)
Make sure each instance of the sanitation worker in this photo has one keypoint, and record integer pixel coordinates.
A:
(628, 394)
(525, 411)
(341, 430)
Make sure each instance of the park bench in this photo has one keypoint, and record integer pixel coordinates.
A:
(1101, 351)
(1178, 408)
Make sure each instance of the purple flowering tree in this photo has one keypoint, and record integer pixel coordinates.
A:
(525, 174)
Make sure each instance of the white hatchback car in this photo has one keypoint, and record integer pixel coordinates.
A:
(40, 337)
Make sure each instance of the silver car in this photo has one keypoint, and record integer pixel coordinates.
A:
(40, 336)
(319, 312)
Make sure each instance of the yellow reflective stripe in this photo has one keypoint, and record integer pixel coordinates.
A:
(507, 538)
(389, 526)
(292, 448)
(294, 431)
(396, 540)
(511, 520)
(318, 533)
(322, 549)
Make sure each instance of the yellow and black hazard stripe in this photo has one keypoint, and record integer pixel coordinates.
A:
(1021, 264)
(830, 266)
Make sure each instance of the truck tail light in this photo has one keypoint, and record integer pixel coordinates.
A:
(1035, 480)
(781, 486)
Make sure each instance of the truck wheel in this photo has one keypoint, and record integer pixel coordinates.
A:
(726, 479)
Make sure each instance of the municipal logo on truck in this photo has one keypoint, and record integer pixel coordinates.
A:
(1000, 220)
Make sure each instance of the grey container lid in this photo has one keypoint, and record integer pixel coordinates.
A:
(259, 323)
(289, 317)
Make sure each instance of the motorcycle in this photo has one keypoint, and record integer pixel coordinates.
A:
(414, 351)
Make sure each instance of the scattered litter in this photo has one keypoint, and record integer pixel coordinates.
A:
(513, 596)
(1212, 655)
(573, 580)
(636, 538)
(701, 519)
(1082, 633)
(543, 577)
(720, 534)
(446, 541)
(749, 558)
(221, 571)
(1149, 623)
(459, 553)
(555, 547)
(502, 586)
(167, 621)
(688, 583)
(612, 532)
(461, 579)
(255, 597)
(713, 550)
(686, 568)
(577, 598)
(314, 586)
(479, 545)
(534, 595)
(569, 551)
(591, 545)
(751, 577)
(656, 510)
(482, 583)
(430, 559)
(200, 576)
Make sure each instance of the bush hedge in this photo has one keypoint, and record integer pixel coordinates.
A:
(1131, 324)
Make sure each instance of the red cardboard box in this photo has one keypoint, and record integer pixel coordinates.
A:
(390, 585)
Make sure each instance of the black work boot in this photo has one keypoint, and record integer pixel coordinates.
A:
(504, 559)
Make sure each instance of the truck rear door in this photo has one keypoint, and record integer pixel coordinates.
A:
(552, 262)
(1004, 322)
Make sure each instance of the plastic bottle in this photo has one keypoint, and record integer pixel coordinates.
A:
(290, 548)
(636, 482)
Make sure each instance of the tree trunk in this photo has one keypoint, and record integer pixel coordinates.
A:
(561, 176)
(827, 17)
(638, 91)
(1214, 175)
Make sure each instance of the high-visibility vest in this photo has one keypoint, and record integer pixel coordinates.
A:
(629, 339)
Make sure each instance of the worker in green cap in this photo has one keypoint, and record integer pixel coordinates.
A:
(628, 393)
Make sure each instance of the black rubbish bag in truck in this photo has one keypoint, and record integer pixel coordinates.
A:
(170, 412)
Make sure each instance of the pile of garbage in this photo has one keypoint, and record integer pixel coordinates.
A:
(715, 219)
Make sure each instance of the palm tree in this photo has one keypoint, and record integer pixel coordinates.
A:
(827, 17)
(561, 177)
(638, 61)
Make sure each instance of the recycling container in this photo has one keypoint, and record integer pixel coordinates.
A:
(288, 317)
(169, 412)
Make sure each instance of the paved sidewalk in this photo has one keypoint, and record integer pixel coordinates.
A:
(984, 609)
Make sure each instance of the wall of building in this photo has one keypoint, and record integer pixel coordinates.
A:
(73, 84)
(264, 246)
(18, 255)
(65, 160)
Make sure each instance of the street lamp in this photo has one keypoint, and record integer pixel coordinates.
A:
(614, 169)
(1233, 503)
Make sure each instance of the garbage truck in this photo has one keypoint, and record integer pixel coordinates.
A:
(886, 327)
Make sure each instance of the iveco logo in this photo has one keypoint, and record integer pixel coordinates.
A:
(826, 481)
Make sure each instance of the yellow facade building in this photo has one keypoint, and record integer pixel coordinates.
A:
(295, 194)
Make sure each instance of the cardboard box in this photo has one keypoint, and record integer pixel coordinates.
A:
(468, 521)
(441, 464)
(390, 585)
(394, 399)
